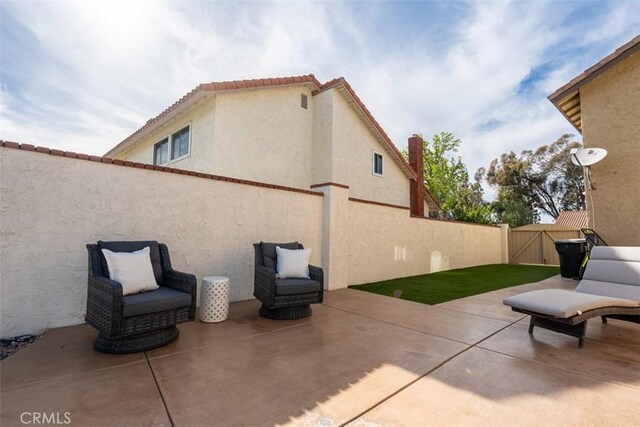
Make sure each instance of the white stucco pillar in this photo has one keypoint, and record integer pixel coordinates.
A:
(504, 242)
(335, 235)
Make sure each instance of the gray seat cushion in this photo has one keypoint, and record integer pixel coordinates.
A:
(124, 246)
(613, 271)
(269, 252)
(563, 304)
(296, 286)
(609, 289)
(160, 299)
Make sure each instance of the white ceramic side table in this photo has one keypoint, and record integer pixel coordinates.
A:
(214, 299)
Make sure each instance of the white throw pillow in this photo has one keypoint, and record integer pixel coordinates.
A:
(292, 263)
(132, 270)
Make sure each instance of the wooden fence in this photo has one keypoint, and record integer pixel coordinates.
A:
(534, 243)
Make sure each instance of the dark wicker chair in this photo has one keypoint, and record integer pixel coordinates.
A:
(284, 298)
(143, 321)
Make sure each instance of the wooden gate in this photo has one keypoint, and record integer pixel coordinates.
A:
(534, 243)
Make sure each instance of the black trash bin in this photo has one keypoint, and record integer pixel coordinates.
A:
(571, 253)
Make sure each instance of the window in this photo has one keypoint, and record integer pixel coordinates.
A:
(172, 148)
(377, 164)
(180, 143)
(161, 152)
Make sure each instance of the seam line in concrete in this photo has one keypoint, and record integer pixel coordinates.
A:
(409, 384)
(417, 330)
(164, 402)
(539, 362)
(91, 371)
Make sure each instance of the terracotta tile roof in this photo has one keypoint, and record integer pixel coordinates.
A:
(567, 98)
(205, 88)
(576, 219)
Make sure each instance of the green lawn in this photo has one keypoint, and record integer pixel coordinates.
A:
(448, 285)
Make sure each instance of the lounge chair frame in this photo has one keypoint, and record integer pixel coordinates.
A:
(576, 326)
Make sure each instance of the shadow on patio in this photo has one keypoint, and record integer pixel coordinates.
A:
(363, 358)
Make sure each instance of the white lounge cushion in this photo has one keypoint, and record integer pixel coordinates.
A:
(293, 263)
(132, 270)
(563, 304)
(616, 253)
(609, 289)
(613, 271)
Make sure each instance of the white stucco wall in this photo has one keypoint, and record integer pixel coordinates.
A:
(352, 159)
(260, 135)
(385, 243)
(264, 135)
(51, 207)
(201, 117)
(322, 146)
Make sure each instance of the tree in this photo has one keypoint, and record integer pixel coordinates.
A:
(536, 182)
(446, 176)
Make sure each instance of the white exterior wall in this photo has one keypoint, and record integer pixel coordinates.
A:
(385, 243)
(260, 135)
(201, 117)
(352, 159)
(322, 147)
(51, 207)
(264, 135)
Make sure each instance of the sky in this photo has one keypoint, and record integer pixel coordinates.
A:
(83, 75)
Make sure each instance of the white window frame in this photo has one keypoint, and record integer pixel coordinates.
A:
(169, 139)
(373, 163)
(168, 151)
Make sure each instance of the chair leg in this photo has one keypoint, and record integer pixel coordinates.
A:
(577, 331)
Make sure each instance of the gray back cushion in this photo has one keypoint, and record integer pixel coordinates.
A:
(122, 246)
(269, 257)
(613, 271)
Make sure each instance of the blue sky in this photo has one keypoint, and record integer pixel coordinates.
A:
(81, 76)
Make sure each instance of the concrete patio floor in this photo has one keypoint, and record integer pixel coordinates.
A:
(360, 359)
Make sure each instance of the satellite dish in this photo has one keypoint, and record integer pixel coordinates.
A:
(587, 156)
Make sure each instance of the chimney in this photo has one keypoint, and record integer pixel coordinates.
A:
(416, 161)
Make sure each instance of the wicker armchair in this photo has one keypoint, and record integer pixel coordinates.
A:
(137, 322)
(284, 298)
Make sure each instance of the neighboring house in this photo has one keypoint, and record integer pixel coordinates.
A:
(575, 219)
(603, 104)
(289, 131)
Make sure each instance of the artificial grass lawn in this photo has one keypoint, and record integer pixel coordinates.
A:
(448, 285)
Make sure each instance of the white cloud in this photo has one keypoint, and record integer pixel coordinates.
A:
(83, 75)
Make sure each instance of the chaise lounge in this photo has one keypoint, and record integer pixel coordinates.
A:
(610, 288)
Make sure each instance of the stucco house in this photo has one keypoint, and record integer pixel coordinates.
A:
(603, 104)
(291, 131)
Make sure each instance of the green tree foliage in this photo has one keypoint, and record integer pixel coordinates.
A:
(446, 176)
(535, 182)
